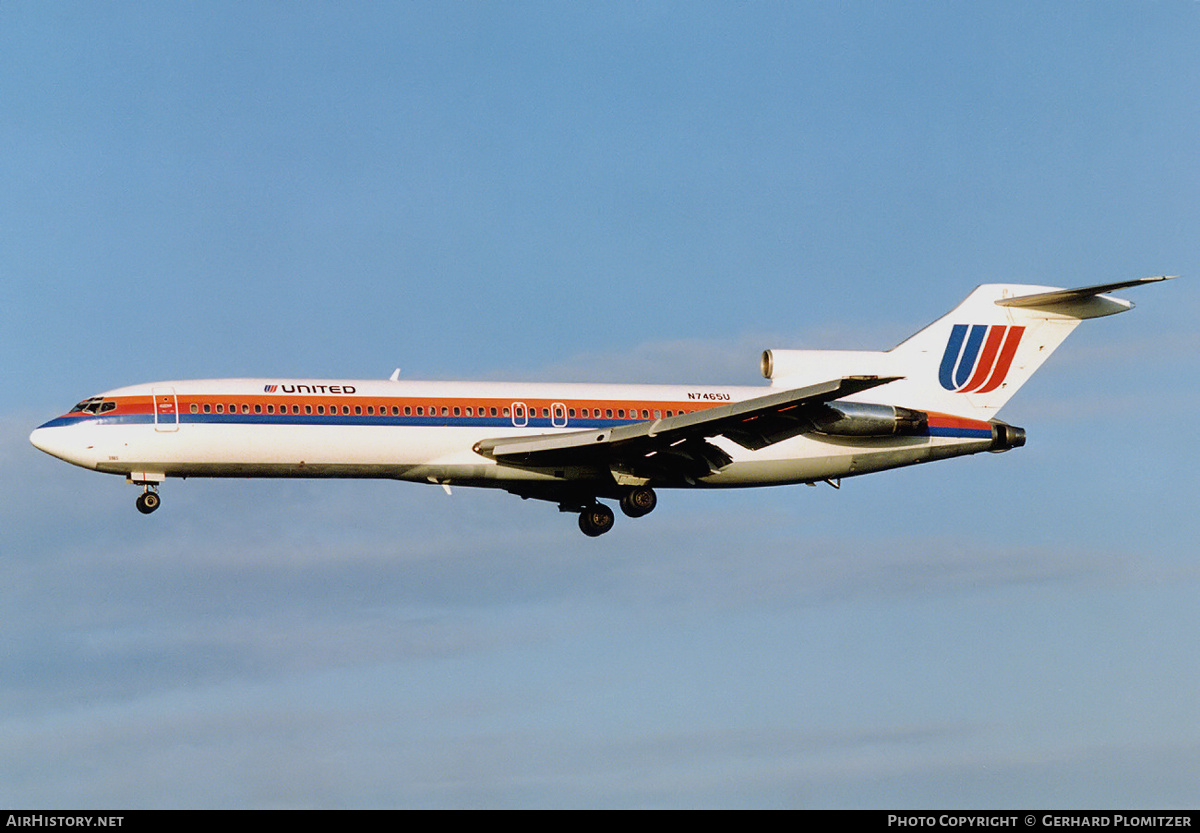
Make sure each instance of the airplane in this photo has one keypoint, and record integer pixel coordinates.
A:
(826, 415)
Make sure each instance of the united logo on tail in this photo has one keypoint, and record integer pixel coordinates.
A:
(978, 357)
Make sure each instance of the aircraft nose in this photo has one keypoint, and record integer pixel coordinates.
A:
(60, 442)
(41, 439)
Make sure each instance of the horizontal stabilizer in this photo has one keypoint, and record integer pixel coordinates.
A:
(1083, 302)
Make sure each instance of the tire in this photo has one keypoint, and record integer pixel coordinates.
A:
(638, 502)
(596, 520)
(147, 502)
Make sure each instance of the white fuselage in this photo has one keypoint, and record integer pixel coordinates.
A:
(827, 415)
(425, 431)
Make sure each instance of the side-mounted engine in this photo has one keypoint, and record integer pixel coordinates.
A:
(860, 419)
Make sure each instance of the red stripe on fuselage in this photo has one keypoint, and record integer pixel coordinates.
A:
(950, 421)
(429, 406)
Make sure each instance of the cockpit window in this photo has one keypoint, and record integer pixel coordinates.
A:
(95, 405)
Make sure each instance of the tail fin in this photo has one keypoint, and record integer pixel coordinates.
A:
(969, 362)
(973, 360)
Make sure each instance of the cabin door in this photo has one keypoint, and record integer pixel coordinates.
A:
(166, 409)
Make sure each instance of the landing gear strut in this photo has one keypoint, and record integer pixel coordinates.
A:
(148, 500)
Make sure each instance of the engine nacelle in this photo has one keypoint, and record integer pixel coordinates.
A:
(860, 419)
(797, 368)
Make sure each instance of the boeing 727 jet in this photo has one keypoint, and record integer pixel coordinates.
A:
(827, 415)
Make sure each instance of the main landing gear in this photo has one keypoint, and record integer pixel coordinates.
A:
(148, 500)
(638, 502)
(596, 519)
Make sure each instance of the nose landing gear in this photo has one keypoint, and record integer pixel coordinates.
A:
(148, 500)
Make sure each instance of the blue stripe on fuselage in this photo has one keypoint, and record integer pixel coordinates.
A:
(334, 419)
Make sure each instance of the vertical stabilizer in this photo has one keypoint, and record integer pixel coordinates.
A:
(971, 361)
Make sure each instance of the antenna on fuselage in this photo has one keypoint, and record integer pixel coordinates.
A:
(395, 377)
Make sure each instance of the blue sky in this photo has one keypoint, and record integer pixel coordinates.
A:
(626, 191)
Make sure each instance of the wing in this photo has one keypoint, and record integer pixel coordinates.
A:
(677, 447)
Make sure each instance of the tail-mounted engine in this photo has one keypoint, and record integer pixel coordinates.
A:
(858, 419)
